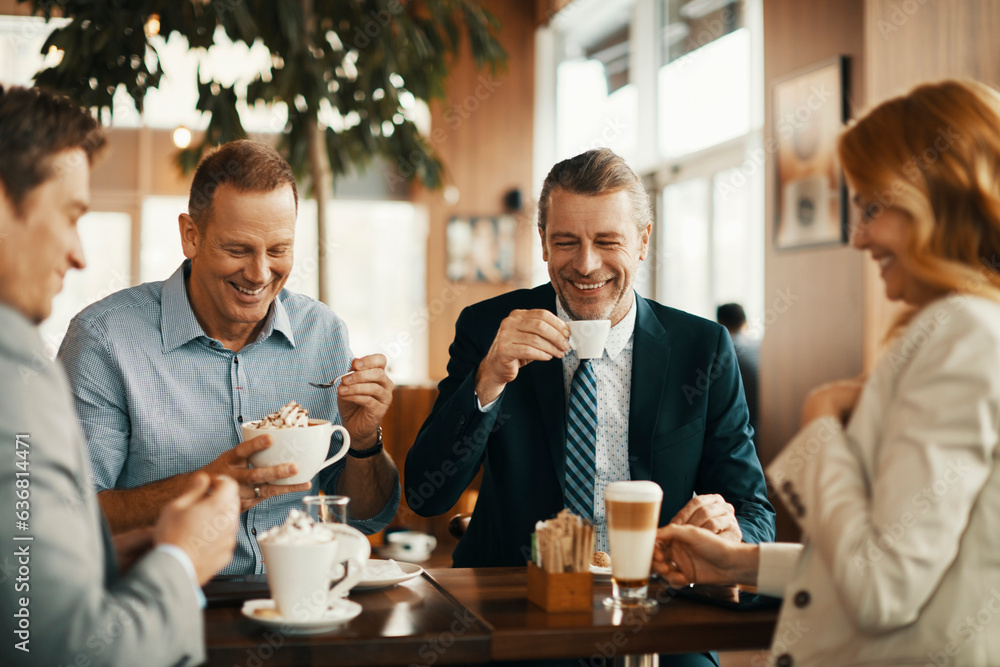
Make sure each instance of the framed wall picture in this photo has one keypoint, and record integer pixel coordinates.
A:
(810, 108)
(481, 249)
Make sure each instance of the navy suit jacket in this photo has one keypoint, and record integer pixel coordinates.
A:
(688, 431)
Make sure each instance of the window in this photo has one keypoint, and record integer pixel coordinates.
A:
(705, 96)
(596, 102)
(369, 243)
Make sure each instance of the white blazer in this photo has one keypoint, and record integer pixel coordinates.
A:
(900, 510)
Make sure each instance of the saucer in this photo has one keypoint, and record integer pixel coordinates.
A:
(410, 570)
(264, 611)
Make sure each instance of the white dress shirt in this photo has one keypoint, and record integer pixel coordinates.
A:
(613, 373)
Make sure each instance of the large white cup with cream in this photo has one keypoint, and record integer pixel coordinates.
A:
(295, 438)
(311, 565)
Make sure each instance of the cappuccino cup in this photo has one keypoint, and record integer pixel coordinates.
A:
(633, 511)
(307, 447)
(309, 575)
(588, 337)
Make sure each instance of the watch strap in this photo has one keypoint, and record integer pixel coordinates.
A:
(370, 451)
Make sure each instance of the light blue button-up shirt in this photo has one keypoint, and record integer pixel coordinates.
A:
(158, 397)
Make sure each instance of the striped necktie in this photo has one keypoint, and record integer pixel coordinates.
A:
(581, 442)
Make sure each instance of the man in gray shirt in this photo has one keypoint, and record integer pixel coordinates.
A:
(69, 593)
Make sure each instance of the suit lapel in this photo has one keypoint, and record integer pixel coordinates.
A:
(547, 381)
(650, 365)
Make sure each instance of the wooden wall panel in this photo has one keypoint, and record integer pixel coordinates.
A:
(908, 43)
(15, 8)
(814, 297)
(483, 131)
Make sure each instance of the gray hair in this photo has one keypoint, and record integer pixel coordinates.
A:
(596, 172)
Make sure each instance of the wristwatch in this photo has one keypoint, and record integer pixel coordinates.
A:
(370, 451)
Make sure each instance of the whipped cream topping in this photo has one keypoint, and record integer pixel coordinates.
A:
(291, 415)
(299, 528)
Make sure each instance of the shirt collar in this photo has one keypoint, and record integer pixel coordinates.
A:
(620, 334)
(178, 325)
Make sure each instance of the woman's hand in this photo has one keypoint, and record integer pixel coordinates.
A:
(834, 399)
(688, 555)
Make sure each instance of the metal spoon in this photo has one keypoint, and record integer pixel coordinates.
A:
(327, 385)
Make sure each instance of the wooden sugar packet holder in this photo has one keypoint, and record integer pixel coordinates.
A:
(560, 591)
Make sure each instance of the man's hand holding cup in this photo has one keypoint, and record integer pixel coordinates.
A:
(524, 336)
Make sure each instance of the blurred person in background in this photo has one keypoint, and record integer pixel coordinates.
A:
(734, 318)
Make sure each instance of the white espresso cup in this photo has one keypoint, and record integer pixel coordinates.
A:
(306, 447)
(588, 337)
(633, 512)
(307, 578)
(409, 545)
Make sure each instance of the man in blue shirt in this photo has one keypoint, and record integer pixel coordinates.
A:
(165, 373)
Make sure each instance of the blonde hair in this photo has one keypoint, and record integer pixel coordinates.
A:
(934, 154)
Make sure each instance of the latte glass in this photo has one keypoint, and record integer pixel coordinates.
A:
(327, 509)
(633, 512)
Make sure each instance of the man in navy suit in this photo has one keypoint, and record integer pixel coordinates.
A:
(670, 405)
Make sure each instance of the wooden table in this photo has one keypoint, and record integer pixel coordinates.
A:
(520, 630)
(471, 616)
(410, 623)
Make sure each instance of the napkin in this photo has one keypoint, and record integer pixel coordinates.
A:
(382, 569)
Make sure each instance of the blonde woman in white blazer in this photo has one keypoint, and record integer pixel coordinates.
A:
(895, 480)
